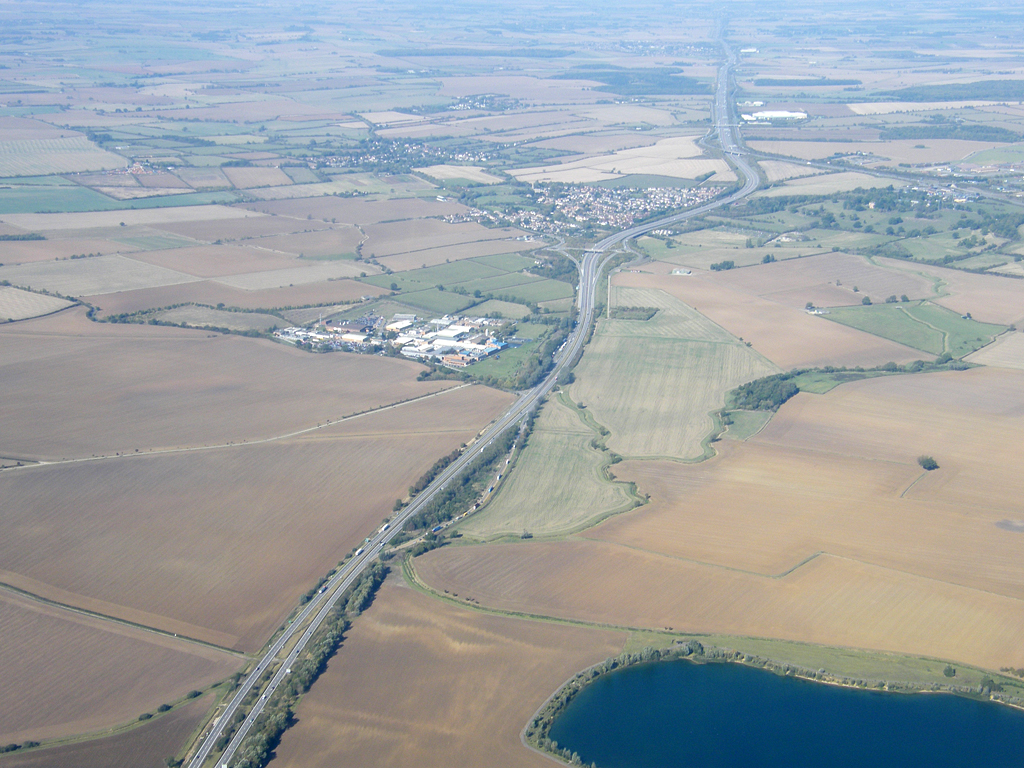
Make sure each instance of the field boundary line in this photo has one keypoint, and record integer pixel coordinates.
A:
(938, 285)
(946, 347)
(243, 443)
(915, 482)
(719, 566)
(4, 586)
(114, 730)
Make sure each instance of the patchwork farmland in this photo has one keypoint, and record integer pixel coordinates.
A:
(175, 479)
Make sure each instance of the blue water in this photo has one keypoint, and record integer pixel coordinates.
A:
(681, 715)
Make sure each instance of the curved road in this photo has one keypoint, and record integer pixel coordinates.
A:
(591, 265)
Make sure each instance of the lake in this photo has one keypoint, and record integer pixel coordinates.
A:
(679, 714)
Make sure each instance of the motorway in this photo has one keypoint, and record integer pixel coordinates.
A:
(591, 265)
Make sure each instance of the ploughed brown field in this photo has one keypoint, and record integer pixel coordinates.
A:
(26, 251)
(438, 685)
(68, 673)
(821, 528)
(786, 335)
(138, 387)
(830, 601)
(209, 292)
(393, 238)
(331, 242)
(219, 544)
(218, 260)
(826, 280)
(237, 229)
(989, 298)
(431, 257)
(147, 746)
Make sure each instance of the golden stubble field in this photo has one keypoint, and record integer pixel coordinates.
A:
(678, 157)
(16, 304)
(1006, 352)
(140, 387)
(438, 685)
(219, 260)
(822, 528)
(71, 673)
(219, 545)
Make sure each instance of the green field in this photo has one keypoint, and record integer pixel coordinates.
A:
(56, 199)
(653, 383)
(921, 325)
(504, 308)
(673, 320)
(985, 261)
(157, 241)
(558, 484)
(507, 262)
(500, 277)
(436, 301)
(1014, 153)
(301, 175)
(448, 275)
(746, 423)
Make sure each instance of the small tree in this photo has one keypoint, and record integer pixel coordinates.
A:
(866, 301)
(927, 463)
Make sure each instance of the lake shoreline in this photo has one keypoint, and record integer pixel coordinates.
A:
(536, 733)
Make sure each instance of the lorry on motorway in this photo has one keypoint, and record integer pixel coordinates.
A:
(359, 551)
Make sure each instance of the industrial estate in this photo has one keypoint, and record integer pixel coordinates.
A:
(382, 377)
